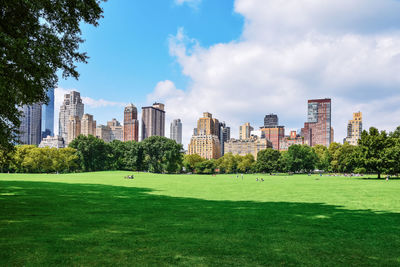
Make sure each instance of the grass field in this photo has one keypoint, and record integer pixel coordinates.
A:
(97, 219)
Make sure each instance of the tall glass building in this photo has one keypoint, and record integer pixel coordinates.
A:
(176, 131)
(30, 128)
(48, 115)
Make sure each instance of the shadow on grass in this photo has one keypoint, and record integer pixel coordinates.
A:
(70, 224)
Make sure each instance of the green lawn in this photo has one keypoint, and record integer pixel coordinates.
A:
(103, 219)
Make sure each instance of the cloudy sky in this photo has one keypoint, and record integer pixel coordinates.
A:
(242, 59)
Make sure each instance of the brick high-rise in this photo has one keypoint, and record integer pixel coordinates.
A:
(275, 134)
(153, 121)
(131, 124)
(318, 130)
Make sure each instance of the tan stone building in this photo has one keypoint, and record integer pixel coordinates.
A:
(245, 131)
(103, 132)
(116, 130)
(88, 125)
(250, 145)
(205, 140)
(354, 129)
(74, 128)
(208, 125)
(205, 145)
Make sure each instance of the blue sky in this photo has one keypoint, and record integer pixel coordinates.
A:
(242, 59)
(129, 51)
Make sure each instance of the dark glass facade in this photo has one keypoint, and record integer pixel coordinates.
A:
(271, 120)
(48, 115)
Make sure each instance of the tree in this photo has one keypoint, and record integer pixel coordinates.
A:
(190, 161)
(37, 39)
(65, 159)
(348, 158)
(373, 146)
(205, 167)
(392, 153)
(31, 159)
(246, 163)
(227, 163)
(324, 159)
(118, 149)
(268, 160)
(162, 154)
(5, 159)
(300, 158)
(334, 153)
(93, 153)
(133, 157)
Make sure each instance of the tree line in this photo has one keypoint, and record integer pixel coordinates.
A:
(377, 152)
(88, 153)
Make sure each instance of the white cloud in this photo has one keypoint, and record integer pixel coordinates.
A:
(291, 51)
(94, 103)
(192, 3)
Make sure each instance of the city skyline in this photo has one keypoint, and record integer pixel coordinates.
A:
(271, 117)
(243, 69)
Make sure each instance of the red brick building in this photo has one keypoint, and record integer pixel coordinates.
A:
(274, 134)
(318, 130)
(131, 124)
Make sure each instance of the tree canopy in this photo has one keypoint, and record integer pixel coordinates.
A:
(37, 39)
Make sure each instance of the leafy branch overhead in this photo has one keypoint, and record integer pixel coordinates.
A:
(38, 39)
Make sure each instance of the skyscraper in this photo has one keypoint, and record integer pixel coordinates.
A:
(31, 125)
(224, 136)
(354, 129)
(131, 124)
(317, 130)
(72, 106)
(271, 120)
(74, 128)
(176, 131)
(205, 141)
(116, 130)
(88, 125)
(275, 134)
(153, 121)
(245, 131)
(208, 125)
(48, 115)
